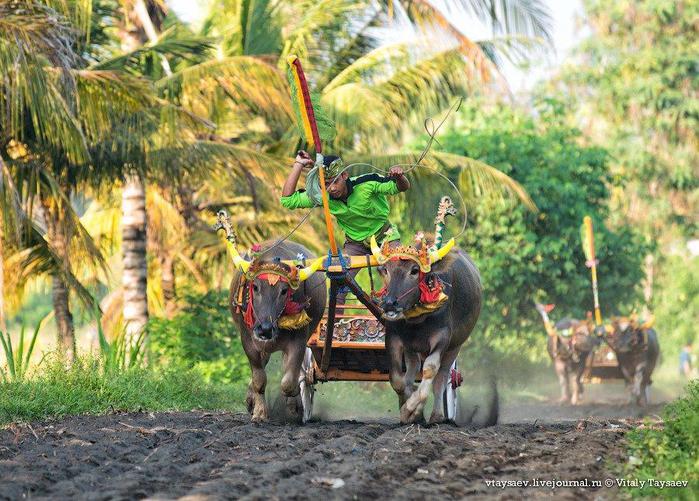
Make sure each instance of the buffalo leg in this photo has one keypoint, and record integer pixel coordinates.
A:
(574, 379)
(292, 359)
(256, 389)
(560, 367)
(413, 407)
(440, 381)
(412, 365)
(396, 375)
(639, 391)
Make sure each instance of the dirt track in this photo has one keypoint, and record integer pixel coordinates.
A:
(213, 456)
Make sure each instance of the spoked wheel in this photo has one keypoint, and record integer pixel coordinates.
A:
(306, 380)
(451, 404)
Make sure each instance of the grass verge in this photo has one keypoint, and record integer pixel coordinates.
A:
(669, 452)
(86, 388)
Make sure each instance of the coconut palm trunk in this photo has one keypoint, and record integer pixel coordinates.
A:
(59, 238)
(3, 324)
(167, 282)
(133, 204)
(135, 274)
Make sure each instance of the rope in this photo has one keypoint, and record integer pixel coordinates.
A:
(288, 235)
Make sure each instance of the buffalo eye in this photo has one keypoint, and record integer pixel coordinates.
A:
(283, 291)
(255, 288)
(414, 270)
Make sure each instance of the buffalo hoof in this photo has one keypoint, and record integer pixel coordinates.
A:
(294, 409)
(411, 411)
(437, 419)
(260, 416)
(249, 402)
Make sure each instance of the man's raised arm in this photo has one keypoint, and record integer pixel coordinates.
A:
(303, 160)
(292, 199)
(396, 173)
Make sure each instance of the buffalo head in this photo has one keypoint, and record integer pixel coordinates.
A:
(271, 285)
(583, 340)
(402, 269)
(622, 336)
(269, 297)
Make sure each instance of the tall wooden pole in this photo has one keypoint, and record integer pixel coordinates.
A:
(592, 264)
(312, 136)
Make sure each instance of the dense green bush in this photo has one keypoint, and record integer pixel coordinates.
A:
(202, 337)
(676, 296)
(671, 452)
(55, 391)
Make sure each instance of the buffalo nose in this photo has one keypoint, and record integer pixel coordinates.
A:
(264, 330)
(390, 303)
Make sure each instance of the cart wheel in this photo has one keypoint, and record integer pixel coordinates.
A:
(306, 380)
(451, 405)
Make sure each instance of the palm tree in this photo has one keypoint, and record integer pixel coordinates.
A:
(134, 225)
(33, 39)
(87, 127)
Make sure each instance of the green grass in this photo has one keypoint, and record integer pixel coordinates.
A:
(86, 388)
(670, 452)
(17, 359)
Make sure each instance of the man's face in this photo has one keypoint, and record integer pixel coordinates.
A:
(337, 187)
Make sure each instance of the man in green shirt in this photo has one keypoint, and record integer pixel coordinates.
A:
(359, 204)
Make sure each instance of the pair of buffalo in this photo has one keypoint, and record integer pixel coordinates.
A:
(571, 344)
(263, 290)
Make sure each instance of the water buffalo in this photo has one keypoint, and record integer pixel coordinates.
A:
(276, 307)
(431, 302)
(636, 348)
(570, 343)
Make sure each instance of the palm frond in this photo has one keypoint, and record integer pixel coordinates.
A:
(35, 31)
(37, 89)
(190, 49)
(36, 259)
(476, 180)
(383, 109)
(250, 28)
(312, 17)
(103, 223)
(242, 85)
(516, 49)
(530, 18)
(224, 161)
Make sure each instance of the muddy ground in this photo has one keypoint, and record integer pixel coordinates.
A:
(197, 455)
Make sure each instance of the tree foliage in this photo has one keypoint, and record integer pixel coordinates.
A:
(635, 85)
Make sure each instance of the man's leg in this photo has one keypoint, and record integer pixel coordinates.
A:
(352, 249)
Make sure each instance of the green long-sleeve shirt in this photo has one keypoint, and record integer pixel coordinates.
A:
(365, 210)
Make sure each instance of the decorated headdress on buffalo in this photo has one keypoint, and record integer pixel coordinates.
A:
(288, 271)
(423, 255)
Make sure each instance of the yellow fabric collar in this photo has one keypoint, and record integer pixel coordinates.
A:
(294, 322)
(422, 309)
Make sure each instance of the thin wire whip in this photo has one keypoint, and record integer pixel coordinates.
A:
(288, 235)
(409, 167)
